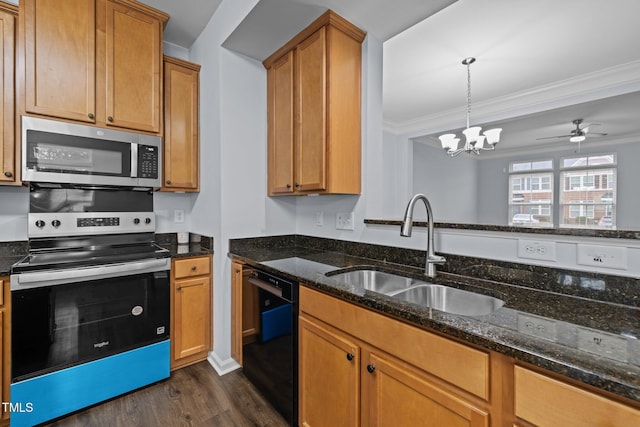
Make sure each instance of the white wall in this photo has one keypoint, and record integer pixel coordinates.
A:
(14, 205)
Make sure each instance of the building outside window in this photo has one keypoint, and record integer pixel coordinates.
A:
(588, 194)
(531, 194)
(584, 197)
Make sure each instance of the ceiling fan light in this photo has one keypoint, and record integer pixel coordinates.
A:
(577, 138)
(493, 135)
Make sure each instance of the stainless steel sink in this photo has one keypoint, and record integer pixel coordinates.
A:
(439, 297)
(373, 280)
(450, 300)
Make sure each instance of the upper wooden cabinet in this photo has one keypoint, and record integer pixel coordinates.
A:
(313, 95)
(181, 125)
(94, 61)
(8, 145)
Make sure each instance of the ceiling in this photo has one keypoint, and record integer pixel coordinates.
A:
(523, 49)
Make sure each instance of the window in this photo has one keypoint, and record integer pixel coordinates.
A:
(588, 195)
(531, 193)
(586, 192)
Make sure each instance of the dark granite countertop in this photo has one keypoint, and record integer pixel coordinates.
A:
(10, 253)
(592, 341)
(198, 245)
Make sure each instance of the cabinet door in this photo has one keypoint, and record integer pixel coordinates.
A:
(60, 58)
(236, 311)
(7, 98)
(192, 313)
(181, 126)
(311, 102)
(133, 66)
(281, 125)
(329, 377)
(397, 396)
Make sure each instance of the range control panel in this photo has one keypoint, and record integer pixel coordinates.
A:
(86, 223)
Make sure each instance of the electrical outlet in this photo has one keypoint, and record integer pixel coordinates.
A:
(178, 215)
(603, 256)
(537, 249)
(537, 326)
(345, 221)
(603, 344)
(319, 219)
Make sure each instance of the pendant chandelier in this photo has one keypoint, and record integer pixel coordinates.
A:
(474, 142)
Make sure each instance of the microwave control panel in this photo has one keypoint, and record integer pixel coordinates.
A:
(148, 161)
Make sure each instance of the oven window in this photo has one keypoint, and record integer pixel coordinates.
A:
(55, 327)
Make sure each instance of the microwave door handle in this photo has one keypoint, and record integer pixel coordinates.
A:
(134, 160)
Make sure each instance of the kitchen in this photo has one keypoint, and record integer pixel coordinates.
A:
(233, 93)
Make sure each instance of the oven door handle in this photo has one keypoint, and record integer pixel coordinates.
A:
(266, 286)
(91, 273)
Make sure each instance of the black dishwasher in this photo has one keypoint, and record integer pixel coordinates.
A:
(270, 357)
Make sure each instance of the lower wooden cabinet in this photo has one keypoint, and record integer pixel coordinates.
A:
(191, 310)
(361, 368)
(545, 401)
(5, 346)
(345, 381)
(329, 377)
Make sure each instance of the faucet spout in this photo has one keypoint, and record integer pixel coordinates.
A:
(407, 225)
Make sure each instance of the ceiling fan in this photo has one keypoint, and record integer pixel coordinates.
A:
(578, 134)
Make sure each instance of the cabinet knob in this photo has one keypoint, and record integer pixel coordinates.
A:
(91, 116)
(8, 174)
(168, 182)
(350, 356)
(297, 185)
(110, 118)
(371, 368)
(194, 268)
(288, 185)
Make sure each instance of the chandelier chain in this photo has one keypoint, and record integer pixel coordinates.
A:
(468, 92)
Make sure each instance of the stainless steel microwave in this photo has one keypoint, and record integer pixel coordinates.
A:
(68, 153)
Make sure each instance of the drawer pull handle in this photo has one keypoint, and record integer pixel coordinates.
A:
(350, 356)
(188, 286)
(371, 368)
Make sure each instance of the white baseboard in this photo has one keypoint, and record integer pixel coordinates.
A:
(222, 367)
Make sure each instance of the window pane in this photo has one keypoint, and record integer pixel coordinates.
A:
(588, 198)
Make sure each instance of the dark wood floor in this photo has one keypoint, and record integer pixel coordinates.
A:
(193, 396)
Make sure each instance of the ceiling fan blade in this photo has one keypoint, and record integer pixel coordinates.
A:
(597, 134)
(554, 137)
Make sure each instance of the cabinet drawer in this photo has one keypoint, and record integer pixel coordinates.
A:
(545, 401)
(189, 267)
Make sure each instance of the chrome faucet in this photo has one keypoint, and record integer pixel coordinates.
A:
(407, 225)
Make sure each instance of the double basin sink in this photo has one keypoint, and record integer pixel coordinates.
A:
(430, 295)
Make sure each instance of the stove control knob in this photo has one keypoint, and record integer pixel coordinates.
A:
(56, 223)
(147, 220)
(136, 221)
(40, 223)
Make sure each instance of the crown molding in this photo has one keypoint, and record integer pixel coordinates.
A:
(617, 80)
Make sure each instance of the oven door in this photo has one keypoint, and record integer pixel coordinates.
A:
(94, 313)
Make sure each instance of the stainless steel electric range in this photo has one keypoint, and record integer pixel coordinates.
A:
(90, 302)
